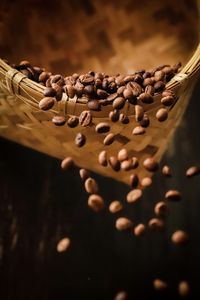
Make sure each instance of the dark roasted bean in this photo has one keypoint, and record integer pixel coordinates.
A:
(159, 86)
(49, 92)
(146, 98)
(72, 121)
(46, 103)
(59, 120)
(149, 89)
(134, 180)
(93, 105)
(167, 100)
(145, 121)
(102, 94)
(85, 118)
(109, 139)
(80, 140)
(135, 87)
(102, 127)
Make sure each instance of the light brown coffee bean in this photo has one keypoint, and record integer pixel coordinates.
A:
(112, 97)
(179, 237)
(166, 170)
(159, 284)
(84, 174)
(167, 100)
(139, 113)
(114, 163)
(80, 140)
(85, 118)
(126, 165)
(115, 206)
(114, 115)
(96, 202)
(46, 103)
(149, 89)
(102, 127)
(59, 120)
(49, 92)
(162, 114)
(109, 139)
(135, 162)
(63, 245)
(121, 296)
(70, 90)
(102, 159)
(134, 196)
(118, 103)
(139, 229)
(122, 154)
(91, 186)
(128, 94)
(192, 171)
(173, 195)
(183, 288)
(119, 80)
(135, 87)
(134, 180)
(138, 130)
(146, 98)
(120, 90)
(86, 79)
(161, 209)
(148, 81)
(67, 163)
(93, 105)
(150, 164)
(146, 181)
(159, 75)
(123, 224)
(72, 121)
(156, 224)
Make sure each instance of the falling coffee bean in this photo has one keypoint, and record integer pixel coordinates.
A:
(118, 103)
(146, 98)
(84, 174)
(80, 140)
(103, 158)
(96, 202)
(91, 186)
(159, 284)
(179, 237)
(156, 224)
(150, 164)
(134, 196)
(46, 103)
(166, 170)
(63, 245)
(67, 163)
(114, 115)
(134, 180)
(162, 114)
(85, 118)
(173, 195)
(161, 209)
(123, 224)
(139, 229)
(139, 113)
(49, 92)
(115, 206)
(138, 130)
(121, 296)
(146, 181)
(93, 105)
(72, 121)
(102, 127)
(59, 120)
(192, 171)
(183, 289)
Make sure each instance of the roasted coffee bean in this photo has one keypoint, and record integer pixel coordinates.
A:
(102, 127)
(59, 120)
(118, 103)
(128, 94)
(159, 284)
(109, 139)
(112, 87)
(43, 77)
(139, 113)
(138, 130)
(162, 114)
(79, 87)
(84, 174)
(123, 224)
(85, 118)
(159, 86)
(49, 92)
(91, 186)
(126, 165)
(138, 78)
(168, 70)
(146, 75)
(167, 100)
(166, 170)
(148, 81)
(105, 84)
(67, 163)
(96, 202)
(145, 121)
(167, 93)
(139, 230)
(114, 115)
(75, 76)
(121, 296)
(47, 83)
(119, 80)
(103, 158)
(27, 73)
(120, 90)
(102, 94)
(112, 97)
(192, 171)
(38, 70)
(25, 63)
(134, 196)
(149, 89)
(129, 78)
(70, 90)
(183, 288)
(179, 237)
(135, 87)
(150, 164)
(80, 140)
(72, 121)
(134, 180)
(86, 79)
(173, 195)
(146, 98)
(123, 118)
(59, 93)
(93, 105)
(159, 75)
(156, 224)
(63, 245)
(99, 75)
(122, 154)
(88, 90)
(114, 163)
(161, 209)
(115, 206)
(46, 103)
(57, 79)
(146, 181)
(98, 83)
(135, 162)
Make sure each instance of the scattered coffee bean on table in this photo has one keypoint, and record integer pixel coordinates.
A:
(85, 118)
(80, 140)
(114, 163)
(46, 103)
(173, 195)
(103, 158)
(139, 229)
(59, 120)
(123, 224)
(91, 186)
(109, 139)
(134, 196)
(183, 288)
(63, 245)
(179, 237)
(102, 127)
(138, 130)
(122, 154)
(162, 114)
(67, 163)
(115, 206)
(96, 202)
(159, 284)
(150, 164)
(192, 171)
(72, 121)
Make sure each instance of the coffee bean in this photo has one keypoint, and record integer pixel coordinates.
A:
(109, 139)
(96, 202)
(192, 171)
(162, 114)
(173, 195)
(120, 90)
(70, 90)
(91, 186)
(134, 180)
(139, 229)
(85, 118)
(93, 105)
(148, 81)
(179, 237)
(135, 162)
(167, 93)
(112, 97)
(183, 288)
(49, 92)
(43, 77)
(166, 170)
(138, 78)
(159, 75)
(118, 103)
(156, 224)
(83, 174)
(86, 79)
(134, 196)
(138, 130)
(167, 100)
(159, 86)
(80, 140)
(103, 158)
(123, 224)
(122, 154)
(114, 115)
(123, 118)
(114, 163)
(119, 80)
(115, 206)
(159, 284)
(72, 121)
(161, 209)
(121, 296)
(146, 181)
(59, 120)
(128, 94)
(67, 163)
(63, 245)
(126, 165)
(146, 98)
(129, 78)
(149, 89)
(145, 121)
(79, 87)
(102, 127)
(139, 113)
(46, 103)
(102, 94)
(146, 75)
(57, 79)
(150, 164)
(135, 87)
(105, 84)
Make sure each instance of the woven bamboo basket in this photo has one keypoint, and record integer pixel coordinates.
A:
(169, 33)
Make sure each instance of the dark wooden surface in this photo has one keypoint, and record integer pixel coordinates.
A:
(39, 205)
